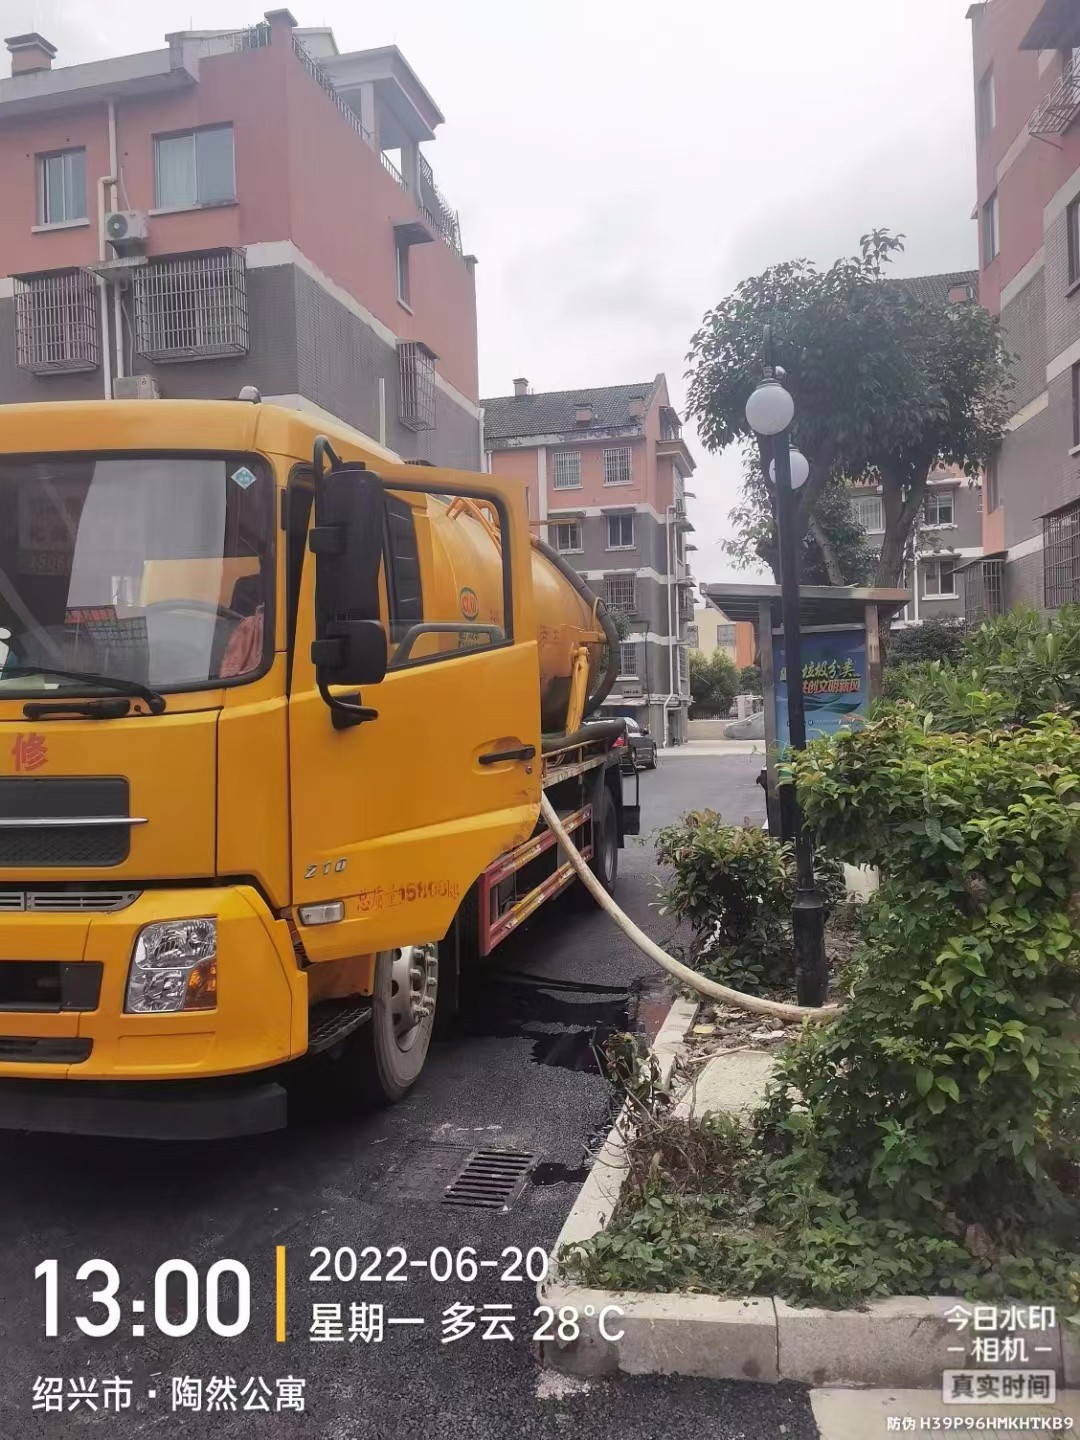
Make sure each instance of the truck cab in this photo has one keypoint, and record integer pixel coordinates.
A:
(219, 852)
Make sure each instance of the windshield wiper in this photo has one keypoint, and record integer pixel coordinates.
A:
(154, 702)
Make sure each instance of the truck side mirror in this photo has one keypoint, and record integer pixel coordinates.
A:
(347, 542)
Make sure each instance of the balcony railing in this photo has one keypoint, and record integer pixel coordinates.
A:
(1058, 111)
(436, 208)
(319, 75)
(391, 169)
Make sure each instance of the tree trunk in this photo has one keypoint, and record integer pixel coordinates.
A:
(901, 511)
(828, 554)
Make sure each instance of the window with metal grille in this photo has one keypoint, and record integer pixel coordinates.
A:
(416, 385)
(56, 328)
(617, 469)
(1076, 404)
(938, 508)
(725, 637)
(869, 512)
(938, 578)
(628, 659)
(684, 674)
(567, 537)
(194, 168)
(620, 592)
(984, 589)
(191, 308)
(620, 532)
(566, 469)
(62, 187)
(1061, 556)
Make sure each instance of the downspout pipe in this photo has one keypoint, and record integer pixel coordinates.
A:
(672, 637)
(104, 182)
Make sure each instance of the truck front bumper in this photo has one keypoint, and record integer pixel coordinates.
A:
(159, 1110)
(63, 984)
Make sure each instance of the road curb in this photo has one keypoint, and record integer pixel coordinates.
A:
(898, 1342)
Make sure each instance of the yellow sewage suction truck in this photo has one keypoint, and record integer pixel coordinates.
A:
(276, 713)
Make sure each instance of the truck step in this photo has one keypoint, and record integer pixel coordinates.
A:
(330, 1021)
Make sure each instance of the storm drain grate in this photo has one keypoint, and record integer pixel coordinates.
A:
(490, 1179)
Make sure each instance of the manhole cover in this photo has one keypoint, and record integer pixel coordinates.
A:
(490, 1179)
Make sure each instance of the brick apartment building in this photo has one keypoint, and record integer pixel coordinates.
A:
(605, 474)
(237, 208)
(1027, 104)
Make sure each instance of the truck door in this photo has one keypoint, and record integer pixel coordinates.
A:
(397, 816)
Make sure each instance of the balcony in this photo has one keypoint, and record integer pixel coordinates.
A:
(382, 98)
(1060, 108)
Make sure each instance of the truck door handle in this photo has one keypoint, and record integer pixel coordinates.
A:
(523, 752)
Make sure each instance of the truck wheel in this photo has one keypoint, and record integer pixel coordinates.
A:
(381, 1061)
(605, 858)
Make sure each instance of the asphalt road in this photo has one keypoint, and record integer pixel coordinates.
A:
(518, 1073)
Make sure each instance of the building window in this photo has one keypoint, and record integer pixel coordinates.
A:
(628, 660)
(684, 673)
(1076, 405)
(986, 104)
(617, 466)
(567, 537)
(195, 168)
(56, 322)
(984, 589)
(620, 532)
(62, 187)
(869, 512)
(192, 308)
(620, 592)
(991, 229)
(725, 637)
(416, 385)
(1061, 556)
(1072, 231)
(401, 272)
(938, 508)
(567, 469)
(990, 483)
(938, 579)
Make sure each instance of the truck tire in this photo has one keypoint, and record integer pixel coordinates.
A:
(605, 857)
(379, 1063)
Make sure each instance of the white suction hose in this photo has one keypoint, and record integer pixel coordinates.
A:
(675, 968)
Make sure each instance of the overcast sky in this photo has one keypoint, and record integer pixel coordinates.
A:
(619, 167)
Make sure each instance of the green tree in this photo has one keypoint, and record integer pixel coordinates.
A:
(714, 681)
(750, 680)
(886, 385)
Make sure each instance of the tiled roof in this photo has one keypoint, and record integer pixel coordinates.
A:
(507, 417)
(935, 289)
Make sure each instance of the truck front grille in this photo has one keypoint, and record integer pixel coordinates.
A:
(65, 821)
(67, 902)
(49, 985)
(45, 1049)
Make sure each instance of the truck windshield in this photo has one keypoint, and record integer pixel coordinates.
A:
(152, 569)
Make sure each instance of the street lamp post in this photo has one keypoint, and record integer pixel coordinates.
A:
(769, 412)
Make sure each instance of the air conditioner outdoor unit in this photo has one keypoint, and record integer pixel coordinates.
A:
(127, 230)
(135, 387)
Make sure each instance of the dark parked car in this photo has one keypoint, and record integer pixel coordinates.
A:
(638, 751)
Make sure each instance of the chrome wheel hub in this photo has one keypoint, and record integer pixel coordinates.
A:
(414, 988)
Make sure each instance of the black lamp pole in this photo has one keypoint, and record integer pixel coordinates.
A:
(808, 912)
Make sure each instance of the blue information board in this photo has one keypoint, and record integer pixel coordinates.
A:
(834, 682)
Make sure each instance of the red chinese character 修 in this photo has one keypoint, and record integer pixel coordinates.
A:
(29, 752)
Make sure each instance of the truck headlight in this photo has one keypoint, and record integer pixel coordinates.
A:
(173, 967)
